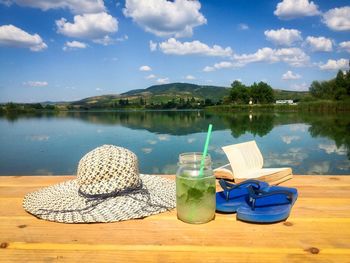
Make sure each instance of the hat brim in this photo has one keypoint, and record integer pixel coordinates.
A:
(62, 202)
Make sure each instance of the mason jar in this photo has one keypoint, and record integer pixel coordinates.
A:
(195, 193)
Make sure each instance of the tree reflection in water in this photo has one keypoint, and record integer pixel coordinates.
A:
(333, 126)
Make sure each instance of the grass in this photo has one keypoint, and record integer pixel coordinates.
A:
(312, 106)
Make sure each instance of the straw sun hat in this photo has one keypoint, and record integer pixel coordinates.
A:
(108, 188)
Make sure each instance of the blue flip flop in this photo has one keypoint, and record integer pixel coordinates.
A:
(269, 205)
(234, 195)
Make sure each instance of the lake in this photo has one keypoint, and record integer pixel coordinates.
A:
(53, 143)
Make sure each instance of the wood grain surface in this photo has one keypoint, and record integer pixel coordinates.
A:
(318, 230)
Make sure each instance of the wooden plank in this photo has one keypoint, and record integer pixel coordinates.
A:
(28, 180)
(304, 207)
(318, 180)
(231, 232)
(191, 254)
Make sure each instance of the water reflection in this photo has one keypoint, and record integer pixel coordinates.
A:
(310, 143)
(256, 124)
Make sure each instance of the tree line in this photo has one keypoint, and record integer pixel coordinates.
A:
(334, 89)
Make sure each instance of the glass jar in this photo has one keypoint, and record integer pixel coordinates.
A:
(195, 193)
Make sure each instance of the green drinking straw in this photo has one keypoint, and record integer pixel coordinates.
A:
(205, 150)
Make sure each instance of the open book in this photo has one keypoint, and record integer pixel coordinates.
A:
(246, 162)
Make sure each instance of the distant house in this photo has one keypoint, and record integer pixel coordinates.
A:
(284, 102)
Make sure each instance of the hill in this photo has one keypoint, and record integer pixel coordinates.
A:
(184, 90)
(290, 95)
(156, 95)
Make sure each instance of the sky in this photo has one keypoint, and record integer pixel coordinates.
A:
(65, 50)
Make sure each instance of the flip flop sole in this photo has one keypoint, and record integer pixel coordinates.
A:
(273, 210)
(228, 206)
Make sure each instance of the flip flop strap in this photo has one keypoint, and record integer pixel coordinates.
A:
(255, 194)
(228, 187)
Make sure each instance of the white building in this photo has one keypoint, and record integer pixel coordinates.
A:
(284, 102)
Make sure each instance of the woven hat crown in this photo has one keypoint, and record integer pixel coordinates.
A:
(108, 169)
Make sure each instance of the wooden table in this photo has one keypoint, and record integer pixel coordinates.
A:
(318, 230)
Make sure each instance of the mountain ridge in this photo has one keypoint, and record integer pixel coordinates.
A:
(157, 94)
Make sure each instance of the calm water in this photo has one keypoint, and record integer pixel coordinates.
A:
(53, 144)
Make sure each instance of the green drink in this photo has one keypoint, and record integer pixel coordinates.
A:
(195, 195)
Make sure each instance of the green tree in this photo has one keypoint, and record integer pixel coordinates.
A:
(347, 80)
(340, 86)
(239, 93)
(322, 90)
(36, 106)
(334, 89)
(50, 107)
(262, 93)
(315, 89)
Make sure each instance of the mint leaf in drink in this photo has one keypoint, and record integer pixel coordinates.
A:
(211, 190)
(194, 194)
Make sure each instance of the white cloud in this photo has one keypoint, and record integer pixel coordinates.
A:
(335, 64)
(151, 76)
(174, 47)
(163, 137)
(208, 69)
(293, 156)
(77, 7)
(330, 148)
(152, 142)
(190, 77)
(300, 87)
(165, 18)
(283, 37)
(243, 26)
(99, 89)
(152, 45)
(145, 68)
(319, 168)
(345, 46)
(299, 127)
(292, 56)
(147, 150)
(289, 9)
(319, 43)
(123, 38)
(107, 40)
(224, 64)
(338, 19)
(89, 26)
(71, 45)
(15, 37)
(289, 139)
(163, 80)
(36, 83)
(290, 75)
(191, 140)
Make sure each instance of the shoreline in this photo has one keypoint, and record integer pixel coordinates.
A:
(314, 106)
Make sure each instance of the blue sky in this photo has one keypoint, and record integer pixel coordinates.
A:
(66, 50)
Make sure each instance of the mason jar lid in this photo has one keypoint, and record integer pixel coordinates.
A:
(193, 158)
